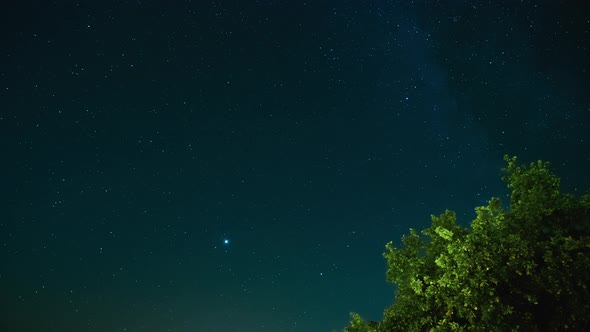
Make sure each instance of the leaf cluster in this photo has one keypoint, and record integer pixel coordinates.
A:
(526, 267)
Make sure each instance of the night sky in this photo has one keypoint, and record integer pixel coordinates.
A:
(240, 165)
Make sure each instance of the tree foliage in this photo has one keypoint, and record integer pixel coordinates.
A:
(526, 267)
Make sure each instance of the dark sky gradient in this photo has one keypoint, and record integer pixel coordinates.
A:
(137, 135)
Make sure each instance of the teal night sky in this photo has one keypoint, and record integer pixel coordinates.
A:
(238, 166)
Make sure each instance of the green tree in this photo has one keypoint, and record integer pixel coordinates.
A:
(526, 267)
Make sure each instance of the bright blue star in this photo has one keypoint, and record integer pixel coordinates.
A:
(226, 241)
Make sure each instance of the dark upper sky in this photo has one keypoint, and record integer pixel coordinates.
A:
(137, 136)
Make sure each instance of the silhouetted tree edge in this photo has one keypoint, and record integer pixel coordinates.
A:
(526, 267)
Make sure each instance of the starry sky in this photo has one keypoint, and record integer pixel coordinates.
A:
(239, 165)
